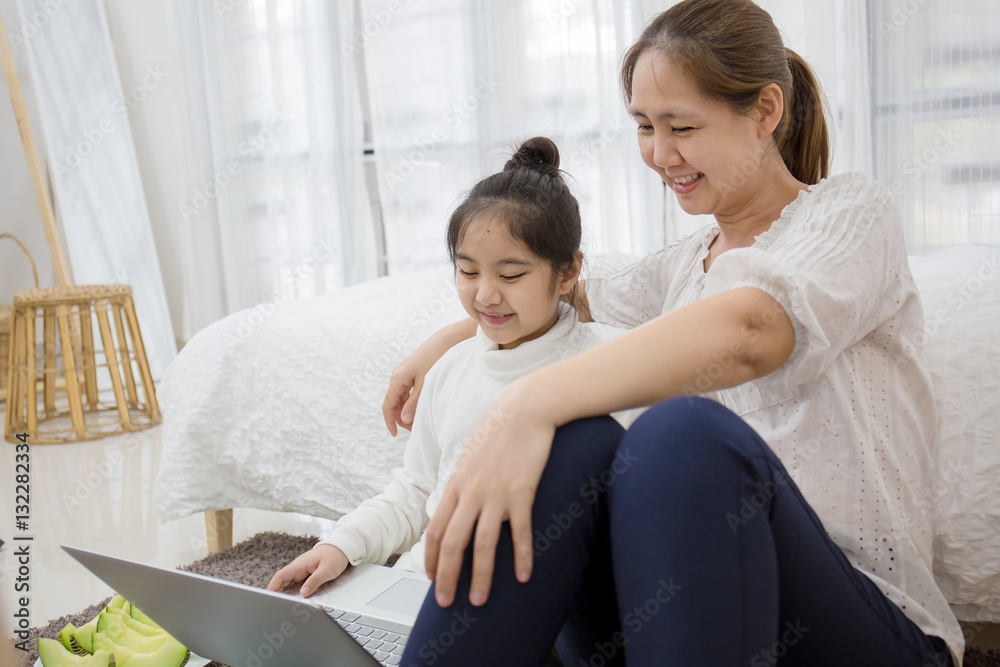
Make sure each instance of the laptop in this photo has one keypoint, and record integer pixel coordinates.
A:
(361, 619)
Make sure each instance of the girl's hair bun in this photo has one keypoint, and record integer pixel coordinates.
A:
(537, 154)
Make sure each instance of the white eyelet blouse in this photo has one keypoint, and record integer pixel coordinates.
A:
(850, 413)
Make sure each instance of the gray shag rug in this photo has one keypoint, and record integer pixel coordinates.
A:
(255, 560)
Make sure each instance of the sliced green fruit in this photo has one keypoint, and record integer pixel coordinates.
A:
(54, 654)
(65, 636)
(138, 626)
(170, 654)
(123, 655)
(115, 629)
(117, 602)
(137, 614)
(84, 636)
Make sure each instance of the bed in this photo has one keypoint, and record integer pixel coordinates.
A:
(278, 408)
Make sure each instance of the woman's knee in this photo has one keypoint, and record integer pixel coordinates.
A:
(679, 434)
(587, 445)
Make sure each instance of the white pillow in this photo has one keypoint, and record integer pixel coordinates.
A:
(960, 290)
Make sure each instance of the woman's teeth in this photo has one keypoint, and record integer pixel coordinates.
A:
(687, 180)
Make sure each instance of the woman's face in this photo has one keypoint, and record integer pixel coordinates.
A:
(710, 156)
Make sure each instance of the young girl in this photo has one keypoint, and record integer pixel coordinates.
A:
(515, 245)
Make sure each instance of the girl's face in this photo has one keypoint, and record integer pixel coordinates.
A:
(710, 156)
(506, 289)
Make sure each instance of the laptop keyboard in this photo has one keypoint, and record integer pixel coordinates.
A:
(385, 640)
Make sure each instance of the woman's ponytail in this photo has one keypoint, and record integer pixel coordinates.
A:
(805, 141)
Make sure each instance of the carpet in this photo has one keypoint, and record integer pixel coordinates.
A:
(253, 561)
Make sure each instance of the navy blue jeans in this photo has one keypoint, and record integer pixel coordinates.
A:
(682, 541)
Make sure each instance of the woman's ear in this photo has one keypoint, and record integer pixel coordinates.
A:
(770, 108)
(568, 278)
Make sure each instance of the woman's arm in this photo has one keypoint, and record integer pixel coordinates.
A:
(720, 341)
(407, 378)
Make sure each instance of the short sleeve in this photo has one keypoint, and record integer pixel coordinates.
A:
(632, 295)
(830, 262)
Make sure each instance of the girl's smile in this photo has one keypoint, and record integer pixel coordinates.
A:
(510, 292)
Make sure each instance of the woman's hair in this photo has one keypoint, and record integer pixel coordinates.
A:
(731, 49)
(532, 200)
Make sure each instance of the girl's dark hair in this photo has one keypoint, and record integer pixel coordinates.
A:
(731, 49)
(531, 198)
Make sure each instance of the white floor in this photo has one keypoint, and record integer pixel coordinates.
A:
(99, 495)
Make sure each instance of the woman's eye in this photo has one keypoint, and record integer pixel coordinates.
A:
(467, 274)
(645, 128)
(512, 277)
(682, 130)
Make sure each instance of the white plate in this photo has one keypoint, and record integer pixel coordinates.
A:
(193, 661)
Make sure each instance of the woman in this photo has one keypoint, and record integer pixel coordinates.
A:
(795, 522)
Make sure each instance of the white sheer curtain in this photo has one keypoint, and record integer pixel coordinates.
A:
(283, 211)
(456, 85)
(936, 117)
(92, 164)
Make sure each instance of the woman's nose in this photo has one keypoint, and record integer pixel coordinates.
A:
(665, 152)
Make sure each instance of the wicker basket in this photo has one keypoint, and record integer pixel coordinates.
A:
(6, 312)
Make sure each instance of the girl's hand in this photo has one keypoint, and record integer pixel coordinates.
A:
(495, 480)
(405, 384)
(321, 564)
(407, 379)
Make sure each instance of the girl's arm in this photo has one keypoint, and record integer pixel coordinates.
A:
(407, 379)
(720, 341)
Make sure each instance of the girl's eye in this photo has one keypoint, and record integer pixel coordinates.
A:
(645, 128)
(509, 278)
(682, 130)
(466, 274)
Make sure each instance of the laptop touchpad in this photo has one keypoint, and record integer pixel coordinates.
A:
(403, 597)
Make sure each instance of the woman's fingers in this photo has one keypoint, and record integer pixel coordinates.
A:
(451, 554)
(484, 552)
(435, 531)
(524, 545)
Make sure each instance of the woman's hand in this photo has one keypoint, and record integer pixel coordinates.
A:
(321, 564)
(495, 480)
(407, 379)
